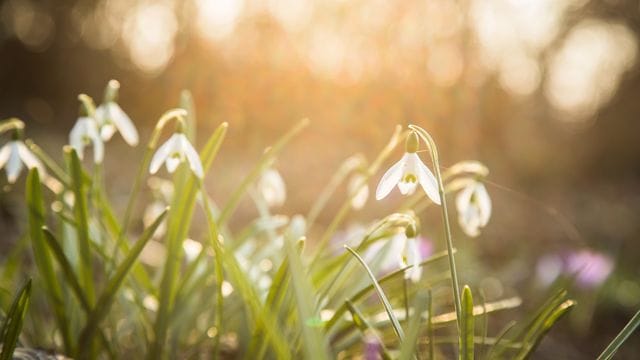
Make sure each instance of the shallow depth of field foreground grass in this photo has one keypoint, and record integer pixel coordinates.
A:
(96, 280)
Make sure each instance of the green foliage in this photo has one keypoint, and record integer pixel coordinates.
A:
(624, 334)
(12, 324)
(254, 290)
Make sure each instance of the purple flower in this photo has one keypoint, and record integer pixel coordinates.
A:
(590, 268)
(372, 347)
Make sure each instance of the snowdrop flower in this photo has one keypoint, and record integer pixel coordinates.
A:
(86, 131)
(411, 254)
(14, 155)
(408, 173)
(176, 150)
(112, 118)
(474, 208)
(272, 188)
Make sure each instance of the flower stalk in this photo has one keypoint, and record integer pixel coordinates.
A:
(445, 218)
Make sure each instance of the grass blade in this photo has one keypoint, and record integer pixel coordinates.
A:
(613, 347)
(467, 328)
(42, 256)
(81, 216)
(530, 344)
(315, 345)
(383, 297)
(264, 317)
(66, 267)
(13, 323)
(408, 346)
(106, 299)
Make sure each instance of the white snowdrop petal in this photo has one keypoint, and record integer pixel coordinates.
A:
(76, 137)
(427, 180)
(192, 157)
(463, 200)
(484, 203)
(161, 155)
(390, 179)
(172, 163)
(5, 152)
(30, 160)
(123, 123)
(14, 166)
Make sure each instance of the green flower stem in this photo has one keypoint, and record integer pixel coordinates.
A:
(445, 218)
(142, 173)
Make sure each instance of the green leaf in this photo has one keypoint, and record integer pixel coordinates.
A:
(108, 296)
(42, 256)
(315, 345)
(408, 346)
(66, 267)
(531, 343)
(467, 328)
(366, 290)
(383, 297)
(81, 216)
(71, 279)
(13, 323)
(264, 316)
(613, 347)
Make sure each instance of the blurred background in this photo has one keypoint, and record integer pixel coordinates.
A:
(545, 92)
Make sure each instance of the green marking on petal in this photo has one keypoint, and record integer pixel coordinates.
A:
(410, 178)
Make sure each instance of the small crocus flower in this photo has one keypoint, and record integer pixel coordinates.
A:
(591, 268)
(14, 155)
(408, 173)
(84, 132)
(474, 208)
(272, 188)
(112, 118)
(174, 151)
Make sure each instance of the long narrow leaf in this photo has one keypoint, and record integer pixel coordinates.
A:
(13, 323)
(81, 217)
(467, 328)
(42, 256)
(613, 347)
(314, 343)
(383, 297)
(408, 346)
(106, 299)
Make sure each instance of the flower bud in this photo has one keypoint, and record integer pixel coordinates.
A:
(111, 91)
(412, 142)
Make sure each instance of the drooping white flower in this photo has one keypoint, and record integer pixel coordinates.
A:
(474, 208)
(174, 151)
(112, 118)
(358, 191)
(407, 174)
(85, 131)
(272, 188)
(410, 256)
(12, 157)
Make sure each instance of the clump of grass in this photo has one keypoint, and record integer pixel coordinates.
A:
(268, 290)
